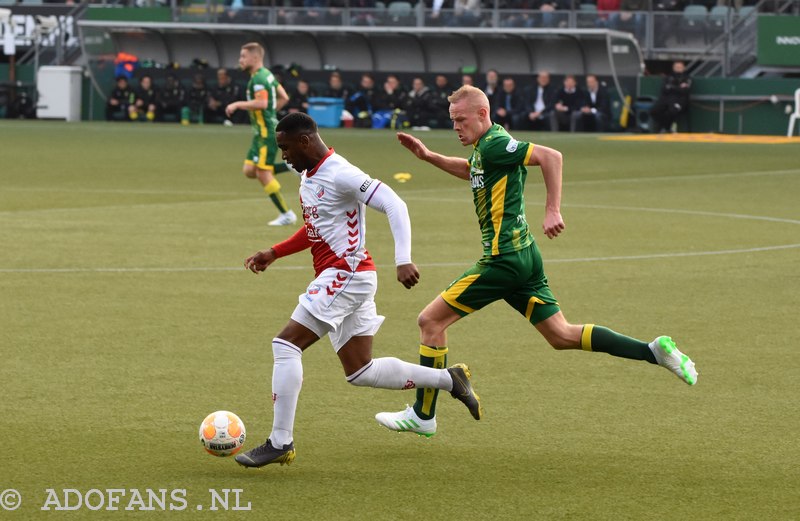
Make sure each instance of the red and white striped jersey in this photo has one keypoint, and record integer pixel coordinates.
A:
(334, 195)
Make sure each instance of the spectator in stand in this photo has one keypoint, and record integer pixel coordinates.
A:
(568, 101)
(541, 103)
(363, 13)
(441, 107)
(419, 105)
(595, 112)
(298, 99)
(548, 13)
(118, 100)
(225, 93)
(171, 100)
(393, 95)
(387, 102)
(145, 97)
(466, 13)
(363, 102)
(316, 13)
(196, 100)
(336, 88)
(606, 10)
(510, 106)
(630, 18)
(674, 99)
(491, 88)
(518, 15)
(467, 79)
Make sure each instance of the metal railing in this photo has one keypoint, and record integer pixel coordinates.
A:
(694, 31)
(734, 50)
(49, 41)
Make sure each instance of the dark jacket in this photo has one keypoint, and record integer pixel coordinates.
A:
(676, 90)
(602, 101)
(572, 100)
(548, 97)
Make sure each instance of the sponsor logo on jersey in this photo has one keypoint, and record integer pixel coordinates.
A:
(366, 185)
(511, 147)
(476, 181)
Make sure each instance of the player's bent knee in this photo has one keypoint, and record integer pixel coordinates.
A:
(559, 343)
(564, 338)
(428, 324)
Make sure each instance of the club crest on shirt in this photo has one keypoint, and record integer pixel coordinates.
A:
(319, 191)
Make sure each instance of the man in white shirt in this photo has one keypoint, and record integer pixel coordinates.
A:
(340, 301)
(540, 105)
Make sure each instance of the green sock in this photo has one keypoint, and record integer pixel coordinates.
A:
(281, 168)
(603, 340)
(435, 357)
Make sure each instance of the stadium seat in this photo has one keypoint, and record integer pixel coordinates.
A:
(746, 10)
(795, 115)
(401, 13)
(587, 15)
(694, 21)
(718, 20)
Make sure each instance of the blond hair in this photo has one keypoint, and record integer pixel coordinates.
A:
(471, 94)
(255, 48)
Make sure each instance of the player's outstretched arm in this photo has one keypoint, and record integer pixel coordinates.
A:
(261, 260)
(382, 198)
(456, 166)
(551, 163)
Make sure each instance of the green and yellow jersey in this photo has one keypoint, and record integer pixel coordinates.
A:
(263, 84)
(497, 174)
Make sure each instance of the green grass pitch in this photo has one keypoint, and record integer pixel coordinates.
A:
(126, 316)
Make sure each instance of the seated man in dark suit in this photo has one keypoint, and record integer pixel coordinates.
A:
(595, 112)
(568, 101)
(510, 106)
(541, 102)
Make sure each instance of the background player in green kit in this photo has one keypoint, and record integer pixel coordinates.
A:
(265, 96)
(511, 266)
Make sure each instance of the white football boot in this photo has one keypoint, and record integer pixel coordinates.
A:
(284, 219)
(407, 421)
(667, 355)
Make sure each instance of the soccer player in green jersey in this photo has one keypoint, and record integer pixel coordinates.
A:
(511, 266)
(265, 96)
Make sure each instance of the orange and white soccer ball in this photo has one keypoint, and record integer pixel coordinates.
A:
(222, 433)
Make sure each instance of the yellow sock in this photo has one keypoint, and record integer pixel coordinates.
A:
(273, 190)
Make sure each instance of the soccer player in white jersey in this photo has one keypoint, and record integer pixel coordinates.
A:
(339, 302)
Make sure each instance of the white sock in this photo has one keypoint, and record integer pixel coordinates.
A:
(392, 373)
(287, 378)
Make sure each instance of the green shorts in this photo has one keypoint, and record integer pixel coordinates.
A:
(516, 277)
(262, 153)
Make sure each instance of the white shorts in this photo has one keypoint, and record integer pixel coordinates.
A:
(341, 304)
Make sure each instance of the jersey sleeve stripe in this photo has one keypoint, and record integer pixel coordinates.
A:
(373, 192)
(529, 154)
